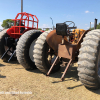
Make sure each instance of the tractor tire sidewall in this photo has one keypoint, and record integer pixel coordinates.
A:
(23, 57)
(40, 54)
(26, 51)
(3, 34)
(96, 68)
(45, 61)
(88, 60)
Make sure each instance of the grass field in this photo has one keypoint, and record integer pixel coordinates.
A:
(15, 81)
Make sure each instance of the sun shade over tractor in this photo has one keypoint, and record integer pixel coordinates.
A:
(22, 24)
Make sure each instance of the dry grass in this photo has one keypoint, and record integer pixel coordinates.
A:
(13, 77)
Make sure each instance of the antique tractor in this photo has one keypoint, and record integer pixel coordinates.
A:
(17, 41)
(68, 45)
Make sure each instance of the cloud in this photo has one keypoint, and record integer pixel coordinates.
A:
(88, 12)
(87, 27)
(44, 26)
(1, 26)
(86, 24)
(0, 23)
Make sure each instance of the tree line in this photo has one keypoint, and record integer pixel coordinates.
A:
(9, 22)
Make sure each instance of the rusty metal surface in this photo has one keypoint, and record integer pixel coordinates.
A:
(53, 40)
(81, 39)
(48, 73)
(67, 50)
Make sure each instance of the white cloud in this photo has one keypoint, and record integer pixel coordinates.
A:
(44, 26)
(0, 23)
(1, 26)
(87, 27)
(88, 12)
(86, 24)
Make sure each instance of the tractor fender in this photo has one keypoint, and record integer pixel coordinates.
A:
(11, 30)
(53, 40)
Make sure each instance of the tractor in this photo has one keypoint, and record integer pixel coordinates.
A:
(16, 43)
(66, 45)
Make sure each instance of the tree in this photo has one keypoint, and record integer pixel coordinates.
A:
(7, 23)
(98, 27)
(46, 29)
(39, 29)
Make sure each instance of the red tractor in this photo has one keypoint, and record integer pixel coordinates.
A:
(17, 41)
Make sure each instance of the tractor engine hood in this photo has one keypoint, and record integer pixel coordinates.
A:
(53, 40)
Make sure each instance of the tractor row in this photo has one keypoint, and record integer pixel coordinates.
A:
(48, 50)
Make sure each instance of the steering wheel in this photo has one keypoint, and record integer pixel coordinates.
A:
(70, 23)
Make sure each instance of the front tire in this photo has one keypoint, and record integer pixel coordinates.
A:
(24, 49)
(42, 58)
(89, 60)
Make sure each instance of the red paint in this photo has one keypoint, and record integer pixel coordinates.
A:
(14, 31)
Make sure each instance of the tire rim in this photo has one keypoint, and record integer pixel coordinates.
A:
(31, 50)
(98, 69)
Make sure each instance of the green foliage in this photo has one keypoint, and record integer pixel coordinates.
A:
(7, 23)
(39, 29)
(46, 29)
(98, 27)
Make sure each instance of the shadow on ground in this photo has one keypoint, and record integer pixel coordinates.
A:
(74, 86)
(13, 62)
(71, 73)
(1, 76)
(1, 65)
(35, 71)
(97, 91)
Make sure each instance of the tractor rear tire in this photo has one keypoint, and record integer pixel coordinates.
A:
(40, 54)
(89, 60)
(24, 49)
(3, 34)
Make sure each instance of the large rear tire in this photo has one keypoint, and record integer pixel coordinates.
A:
(89, 60)
(24, 49)
(41, 55)
(4, 46)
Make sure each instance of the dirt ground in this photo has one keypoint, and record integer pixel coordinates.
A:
(18, 84)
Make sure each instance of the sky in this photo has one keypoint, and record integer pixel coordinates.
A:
(81, 12)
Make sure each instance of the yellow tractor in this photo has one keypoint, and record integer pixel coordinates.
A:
(67, 45)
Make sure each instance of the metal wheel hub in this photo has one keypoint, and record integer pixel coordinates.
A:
(31, 50)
